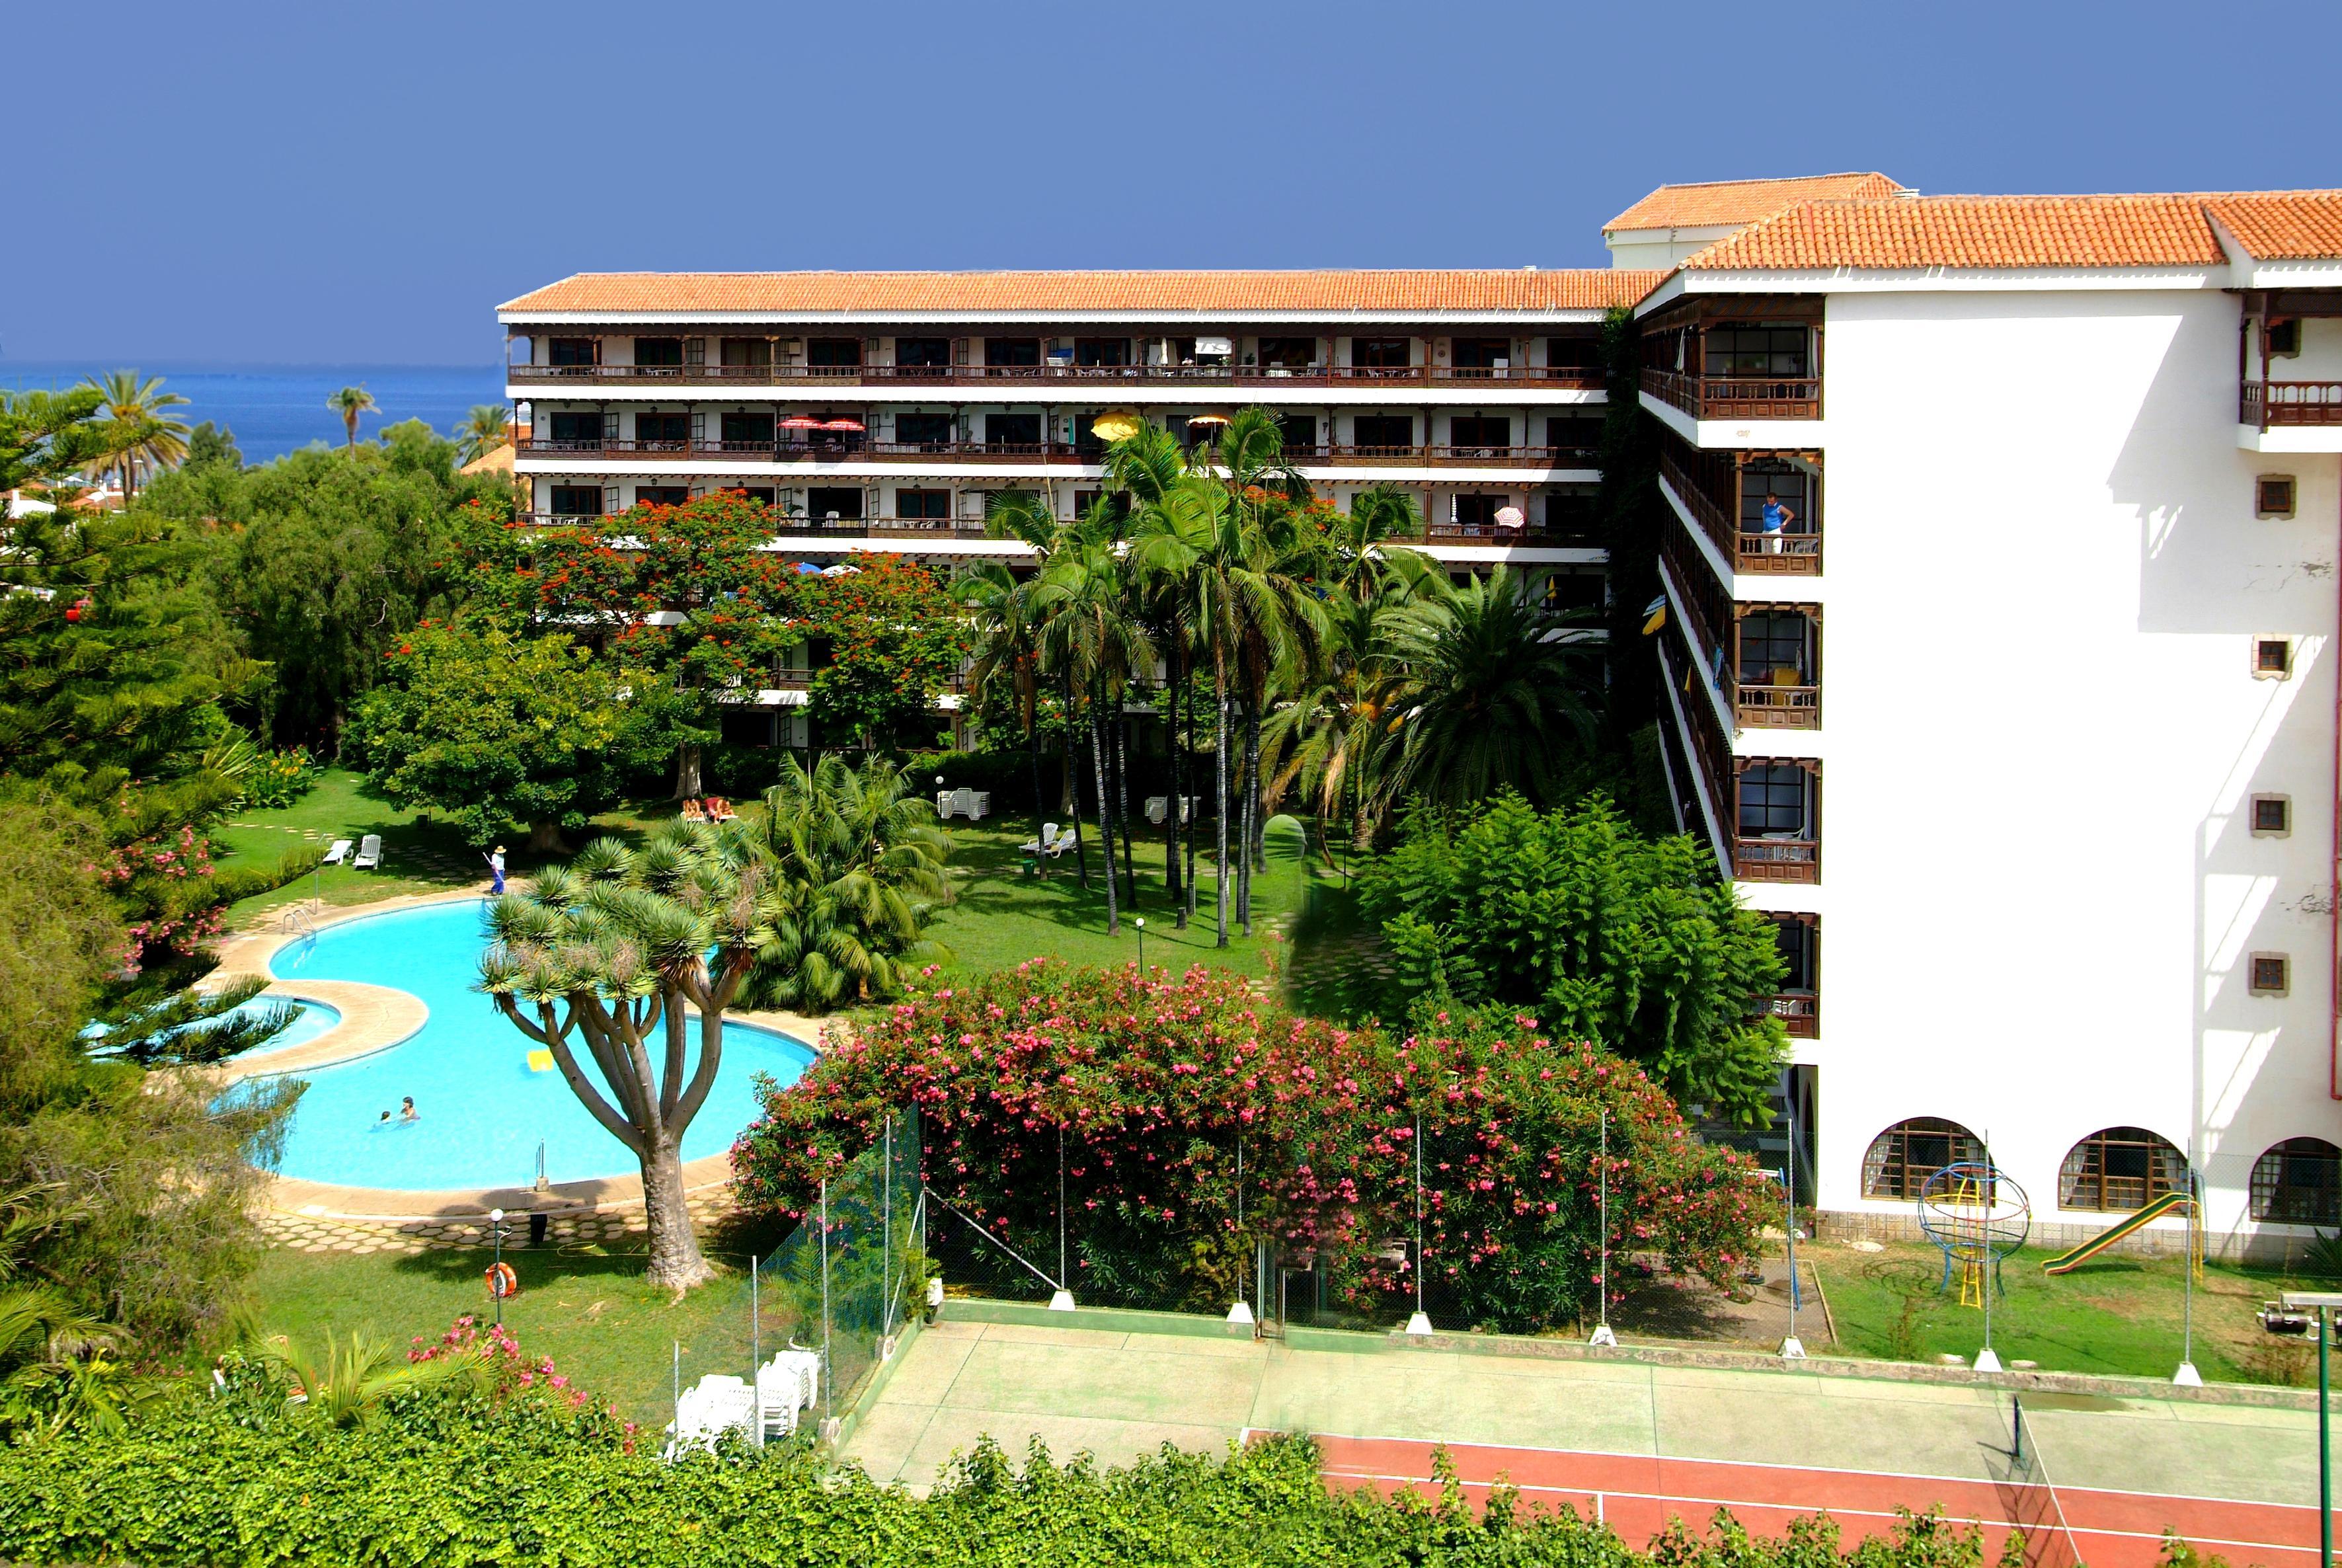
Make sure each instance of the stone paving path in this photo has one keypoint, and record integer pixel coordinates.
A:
(297, 1231)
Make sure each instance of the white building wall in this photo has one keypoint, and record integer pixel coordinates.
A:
(2041, 730)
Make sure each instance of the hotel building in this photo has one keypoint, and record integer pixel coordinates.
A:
(2049, 839)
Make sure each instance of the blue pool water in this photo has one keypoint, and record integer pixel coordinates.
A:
(481, 1110)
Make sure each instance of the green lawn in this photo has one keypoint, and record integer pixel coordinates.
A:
(606, 1329)
(418, 856)
(1002, 916)
(2116, 1314)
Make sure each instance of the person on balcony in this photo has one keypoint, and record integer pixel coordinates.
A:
(1777, 519)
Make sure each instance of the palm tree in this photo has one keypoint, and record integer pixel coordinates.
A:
(345, 1386)
(1091, 636)
(1496, 690)
(486, 428)
(859, 866)
(349, 403)
(136, 432)
(1007, 648)
(604, 951)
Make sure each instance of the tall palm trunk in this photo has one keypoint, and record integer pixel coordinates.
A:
(1220, 815)
(1040, 803)
(1178, 777)
(1073, 789)
(1187, 828)
(1258, 797)
(1244, 823)
(1121, 799)
(1106, 822)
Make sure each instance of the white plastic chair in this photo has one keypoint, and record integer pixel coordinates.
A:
(981, 803)
(944, 803)
(1042, 845)
(339, 852)
(369, 854)
(963, 803)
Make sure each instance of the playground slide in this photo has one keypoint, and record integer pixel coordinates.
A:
(2065, 1261)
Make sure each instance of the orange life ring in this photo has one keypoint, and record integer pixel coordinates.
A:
(502, 1281)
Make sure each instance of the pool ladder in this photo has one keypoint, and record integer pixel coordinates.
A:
(297, 919)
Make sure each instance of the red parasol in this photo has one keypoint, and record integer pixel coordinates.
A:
(800, 422)
(854, 425)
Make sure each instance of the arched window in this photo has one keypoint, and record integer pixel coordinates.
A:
(2117, 1169)
(1903, 1157)
(2298, 1182)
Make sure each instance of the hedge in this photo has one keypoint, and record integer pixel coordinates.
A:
(455, 1478)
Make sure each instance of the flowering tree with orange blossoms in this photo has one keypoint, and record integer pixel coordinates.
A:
(1154, 1082)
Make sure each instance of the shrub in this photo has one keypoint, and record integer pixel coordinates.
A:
(1154, 1080)
(1627, 942)
(280, 778)
(235, 880)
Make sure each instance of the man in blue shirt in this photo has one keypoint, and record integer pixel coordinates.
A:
(1777, 518)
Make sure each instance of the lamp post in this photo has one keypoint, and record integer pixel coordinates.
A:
(1140, 922)
(1603, 1333)
(1792, 1347)
(497, 1274)
(1421, 1321)
(2323, 1303)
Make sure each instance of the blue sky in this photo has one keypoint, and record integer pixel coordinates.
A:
(315, 183)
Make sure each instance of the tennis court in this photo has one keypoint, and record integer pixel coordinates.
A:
(2097, 1479)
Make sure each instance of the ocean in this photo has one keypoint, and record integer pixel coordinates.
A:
(279, 409)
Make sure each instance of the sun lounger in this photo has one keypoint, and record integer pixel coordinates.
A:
(1041, 845)
(369, 854)
(693, 811)
(1067, 838)
(337, 853)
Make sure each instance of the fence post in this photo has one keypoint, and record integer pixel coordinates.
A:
(755, 1346)
(828, 1364)
(887, 1241)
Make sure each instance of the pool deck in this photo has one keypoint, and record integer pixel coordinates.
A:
(377, 1017)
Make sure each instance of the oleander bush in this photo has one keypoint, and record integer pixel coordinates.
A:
(1160, 1085)
(490, 1470)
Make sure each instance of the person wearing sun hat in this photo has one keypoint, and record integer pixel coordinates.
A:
(496, 870)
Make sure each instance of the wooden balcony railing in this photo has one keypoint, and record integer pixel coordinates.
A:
(1773, 708)
(1737, 397)
(1770, 555)
(866, 451)
(1771, 859)
(2268, 403)
(1799, 1012)
(1570, 377)
(857, 528)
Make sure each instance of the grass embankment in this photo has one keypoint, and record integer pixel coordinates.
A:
(2114, 1314)
(606, 1329)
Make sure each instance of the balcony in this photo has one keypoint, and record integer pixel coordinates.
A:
(1734, 396)
(1777, 813)
(795, 526)
(1799, 1012)
(1780, 702)
(1560, 377)
(2290, 403)
(863, 451)
(1737, 529)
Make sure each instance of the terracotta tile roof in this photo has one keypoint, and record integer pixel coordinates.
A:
(2282, 226)
(2136, 231)
(1101, 293)
(1741, 201)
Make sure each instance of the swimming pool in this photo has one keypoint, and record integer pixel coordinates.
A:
(310, 1020)
(481, 1111)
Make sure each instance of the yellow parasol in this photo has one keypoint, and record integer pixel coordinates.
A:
(1119, 425)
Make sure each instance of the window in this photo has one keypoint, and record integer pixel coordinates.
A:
(762, 494)
(1901, 1158)
(1757, 351)
(1773, 801)
(660, 351)
(1490, 434)
(745, 353)
(834, 353)
(1796, 938)
(1574, 588)
(1765, 479)
(2273, 495)
(1102, 351)
(662, 495)
(662, 432)
(1388, 434)
(1011, 353)
(1382, 353)
(2271, 974)
(1300, 432)
(2117, 1169)
(836, 503)
(2283, 338)
(923, 503)
(576, 429)
(749, 727)
(577, 500)
(1477, 512)
(927, 432)
(2272, 658)
(1574, 352)
(1574, 510)
(2298, 1182)
(747, 429)
(922, 351)
(1481, 353)
(2272, 815)
(1289, 352)
(572, 350)
(1773, 648)
(1013, 430)
(1573, 434)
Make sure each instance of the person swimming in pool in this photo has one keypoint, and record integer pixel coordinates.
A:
(406, 1111)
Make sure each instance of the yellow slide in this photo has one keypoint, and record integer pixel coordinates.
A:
(2065, 1261)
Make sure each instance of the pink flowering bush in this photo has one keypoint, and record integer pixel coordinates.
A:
(1156, 1082)
(512, 1374)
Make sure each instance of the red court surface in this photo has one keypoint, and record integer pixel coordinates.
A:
(1637, 1494)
